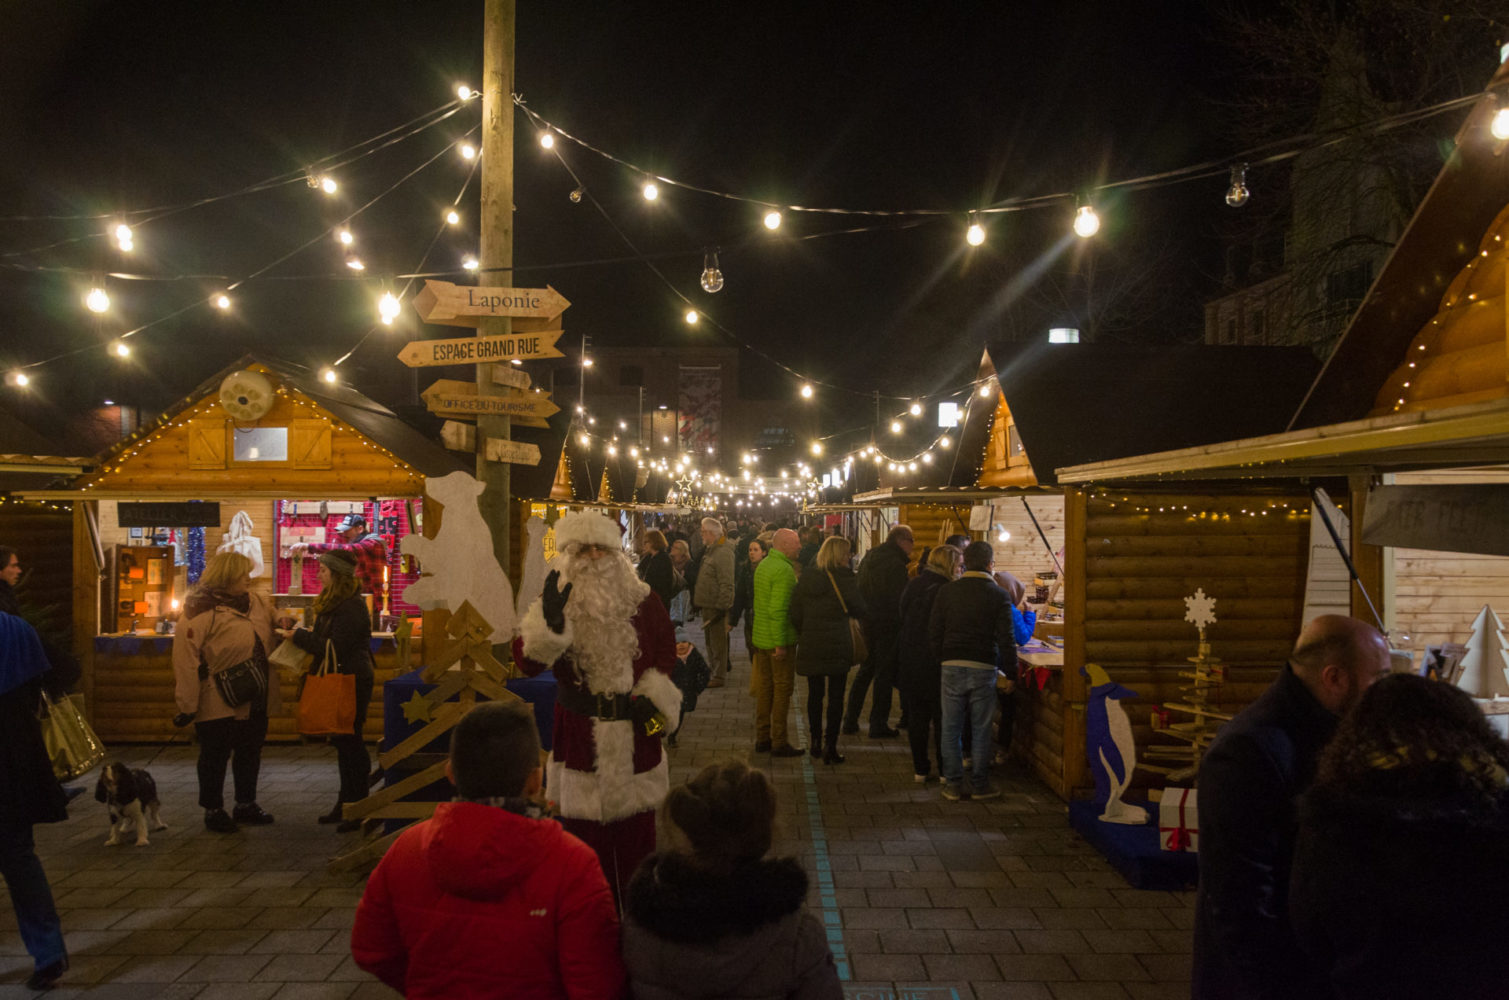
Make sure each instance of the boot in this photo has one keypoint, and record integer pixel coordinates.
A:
(831, 754)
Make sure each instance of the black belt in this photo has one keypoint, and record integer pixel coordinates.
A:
(605, 707)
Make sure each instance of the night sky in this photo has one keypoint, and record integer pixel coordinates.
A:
(112, 106)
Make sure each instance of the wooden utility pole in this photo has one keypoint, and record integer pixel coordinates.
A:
(496, 250)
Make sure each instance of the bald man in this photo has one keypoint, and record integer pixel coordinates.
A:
(1257, 767)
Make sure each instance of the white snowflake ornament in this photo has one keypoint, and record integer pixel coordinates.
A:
(1201, 610)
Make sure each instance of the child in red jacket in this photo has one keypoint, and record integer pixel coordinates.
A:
(489, 898)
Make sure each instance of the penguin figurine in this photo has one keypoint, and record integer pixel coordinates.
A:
(1108, 744)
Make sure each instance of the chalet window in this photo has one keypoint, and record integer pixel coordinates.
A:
(1013, 442)
(631, 375)
(1231, 332)
(1255, 329)
(260, 444)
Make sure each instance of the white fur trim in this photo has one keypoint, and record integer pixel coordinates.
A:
(542, 644)
(612, 792)
(657, 687)
(587, 527)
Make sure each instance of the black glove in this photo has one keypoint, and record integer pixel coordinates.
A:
(553, 602)
(646, 715)
(183, 719)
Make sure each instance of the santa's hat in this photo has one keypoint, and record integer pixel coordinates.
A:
(586, 528)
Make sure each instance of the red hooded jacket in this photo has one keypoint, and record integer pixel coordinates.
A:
(482, 902)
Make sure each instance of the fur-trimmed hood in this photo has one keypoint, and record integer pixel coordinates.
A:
(675, 898)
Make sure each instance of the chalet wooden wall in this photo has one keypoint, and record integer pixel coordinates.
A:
(42, 535)
(1024, 554)
(1129, 566)
(931, 523)
(1436, 595)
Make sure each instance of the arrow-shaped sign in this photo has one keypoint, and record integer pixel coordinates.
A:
(461, 305)
(517, 452)
(455, 387)
(474, 350)
(532, 404)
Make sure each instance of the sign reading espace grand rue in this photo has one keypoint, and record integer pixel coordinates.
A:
(462, 305)
(479, 350)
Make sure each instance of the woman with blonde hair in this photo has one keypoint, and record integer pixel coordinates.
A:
(825, 598)
(710, 915)
(341, 618)
(225, 628)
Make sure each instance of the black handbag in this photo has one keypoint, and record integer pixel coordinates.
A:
(243, 683)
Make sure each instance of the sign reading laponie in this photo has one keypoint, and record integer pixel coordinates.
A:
(164, 514)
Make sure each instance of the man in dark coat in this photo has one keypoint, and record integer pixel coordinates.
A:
(882, 578)
(29, 794)
(1252, 774)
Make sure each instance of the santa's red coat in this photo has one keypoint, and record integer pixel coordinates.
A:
(605, 771)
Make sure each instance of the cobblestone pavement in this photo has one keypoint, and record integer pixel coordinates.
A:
(923, 897)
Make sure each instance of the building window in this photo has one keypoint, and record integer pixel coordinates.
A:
(260, 444)
(1255, 322)
(1348, 287)
(631, 375)
(1231, 332)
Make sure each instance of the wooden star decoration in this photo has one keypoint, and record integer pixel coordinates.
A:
(417, 709)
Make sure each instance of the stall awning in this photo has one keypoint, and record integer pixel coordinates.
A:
(1454, 437)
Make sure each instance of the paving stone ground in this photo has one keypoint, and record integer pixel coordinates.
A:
(994, 900)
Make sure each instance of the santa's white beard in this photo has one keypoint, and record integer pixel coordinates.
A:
(605, 594)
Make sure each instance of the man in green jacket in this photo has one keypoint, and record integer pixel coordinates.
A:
(714, 596)
(774, 655)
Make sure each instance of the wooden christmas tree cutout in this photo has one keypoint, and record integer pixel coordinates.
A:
(477, 672)
(1208, 675)
(1484, 672)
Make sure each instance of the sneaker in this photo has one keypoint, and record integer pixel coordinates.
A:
(988, 792)
(954, 793)
(921, 779)
(45, 977)
(251, 814)
(219, 821)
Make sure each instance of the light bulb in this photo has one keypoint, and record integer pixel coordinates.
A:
(650, 191)
(772, 220)
(576, 196)
(586, 362)
(120, 348)
(18, 380)
(470, 263)
(712, 278)
(911, 466)
(1237, 194)
(388, 307)
(97, 300)
(355, 263)
(344, 235)
(895, 427)
(464, 92)
(328, 185)
(807, 391)
(612, 450)
(691, 317)
(916, 410)
(222, 301)
(817, 447)
(123, 237)
(328, 375)
(453, 217)
(944, 441)
(468, 151)
(927, 458)
(1499, 126)
(1086, 222)
(984, 392)
(975, 234)
(547, 140)
(1003, 536)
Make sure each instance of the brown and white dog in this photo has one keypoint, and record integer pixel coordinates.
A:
(132, 797)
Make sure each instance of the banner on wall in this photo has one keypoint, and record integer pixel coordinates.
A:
(701, 392)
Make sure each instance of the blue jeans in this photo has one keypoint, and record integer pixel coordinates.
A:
(36, 916)
(967, 691)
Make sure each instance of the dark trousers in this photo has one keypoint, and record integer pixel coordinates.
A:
(30, 895)
(1005, 700)
(350, 751)
(833, 685)
(924, 727)
(237, 741)
(878, 668)
(620, 846)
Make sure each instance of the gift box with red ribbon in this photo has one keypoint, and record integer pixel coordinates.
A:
(1178, 822)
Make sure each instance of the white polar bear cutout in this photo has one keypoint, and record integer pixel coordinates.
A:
(458, 563)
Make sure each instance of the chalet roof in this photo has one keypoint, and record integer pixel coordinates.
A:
(1441, 239)
(1079, 403)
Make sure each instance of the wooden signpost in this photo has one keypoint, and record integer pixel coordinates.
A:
(480, 350)
(462, 305)
(516, 452)
(451, 397)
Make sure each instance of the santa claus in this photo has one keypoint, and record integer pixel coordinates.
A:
(609, 641)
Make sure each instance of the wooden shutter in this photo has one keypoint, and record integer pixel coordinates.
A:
(208, 444)
(309, 444)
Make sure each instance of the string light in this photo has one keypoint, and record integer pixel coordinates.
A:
(772, 220)
(123, 238)
(712, 277)
(817, 448)
(345, 237)
(453, 217)
(468, 151)
(945, 441)
(985, 391)
(1086, 222)
(975, 234)
(222, 301)
(915, 409)
(327, 184)
(388, 307)
(1499, 126)
(576, 195)
(895, 427)
(97, 300)
(547, 140)
(650, 191)
(120, 348)
(807, 390)
(691, 317)
(1237, 194)
(464, 92)
(17, 379)
(355, 263)
(328, 375)
(470, 263)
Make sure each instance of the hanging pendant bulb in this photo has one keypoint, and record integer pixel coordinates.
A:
(712, 278)
(388, 308)
(1237, 194)
(1086, 222)
(576, 196)
(975, 234)
(97, 300)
